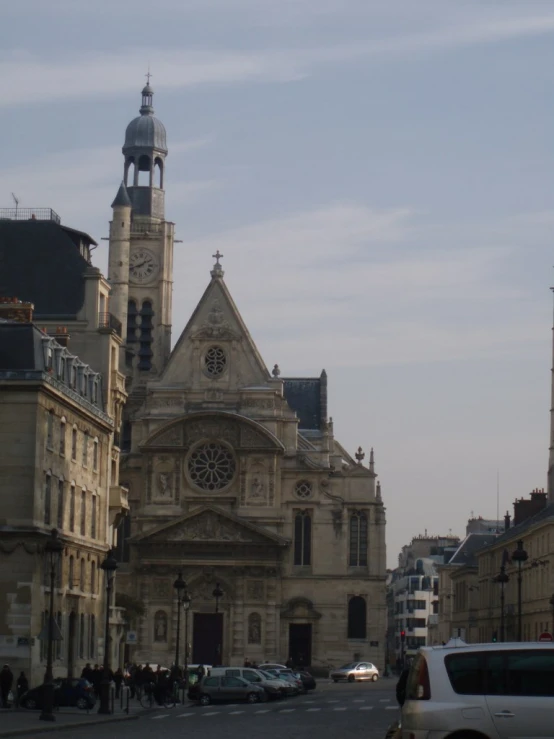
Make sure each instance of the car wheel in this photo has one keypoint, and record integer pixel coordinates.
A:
(205, 700)
(374, 678)
(253, 698)
(351, 679)
(30, 703)
(82, 703)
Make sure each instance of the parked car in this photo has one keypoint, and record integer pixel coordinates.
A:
(308, 680)
(355, 671)
(490, 691)
(74, 692)
(286, 685)
(218, 688)
(272, 666)
(290, 677)
(273, 687)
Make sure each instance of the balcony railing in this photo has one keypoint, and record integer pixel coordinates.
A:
(144, 227)
(109, 322)
(29, 214)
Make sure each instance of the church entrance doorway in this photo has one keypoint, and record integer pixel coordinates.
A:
(300, 644)
(207, 638)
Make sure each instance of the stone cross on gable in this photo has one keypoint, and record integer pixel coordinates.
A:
(217, 256)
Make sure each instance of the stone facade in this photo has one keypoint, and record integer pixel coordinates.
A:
(55, 459)
(227, 485)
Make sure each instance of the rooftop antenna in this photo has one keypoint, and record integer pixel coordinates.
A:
(16, 201)
(497, 499)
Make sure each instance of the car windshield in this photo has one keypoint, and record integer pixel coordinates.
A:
(349, 666)
(266, 674)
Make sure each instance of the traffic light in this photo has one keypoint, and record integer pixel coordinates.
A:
(495, 635)
(402, 636)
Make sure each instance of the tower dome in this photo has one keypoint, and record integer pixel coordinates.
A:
(146, 130)
(144, 150)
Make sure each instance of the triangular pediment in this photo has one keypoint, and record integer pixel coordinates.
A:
(210, 524)
(215, 351)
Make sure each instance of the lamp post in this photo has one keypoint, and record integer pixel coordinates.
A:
(109, 565)
(217, 594)
(53, 550)
(502, 578)
(180, 586)
(520, 556)
(187, 600)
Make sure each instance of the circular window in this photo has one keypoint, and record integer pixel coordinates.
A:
(215, 361)
(303, 489)
(211, 466)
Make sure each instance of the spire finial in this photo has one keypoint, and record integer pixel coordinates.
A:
(217, 270)
(371, 461)
(148, 75)
(360, 455)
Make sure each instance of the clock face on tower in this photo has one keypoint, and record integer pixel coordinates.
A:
(143, 265)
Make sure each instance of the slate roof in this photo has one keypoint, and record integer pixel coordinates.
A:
(122, 198)
(20, 347)
(515, 532)
(307, 396)
(40, 262)
(465, 554)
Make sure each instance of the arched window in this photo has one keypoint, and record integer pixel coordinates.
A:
(48, 498)
(50, 429)
(254, 628)
(358, 539)
(72, 507)
(92, 637)
(95, 455)
(60, 503)
(82, 636)
(144, 171)
(129, 174)
(74, 443)
(357, 617)
(82, 576)
(59, 643)
(83, 526)
(85, 449)
(62, 437)
(303, 538)
(93, 518)
(160, 626)
(93, 577)
(158, 173)
(146, 326)
(71, 571)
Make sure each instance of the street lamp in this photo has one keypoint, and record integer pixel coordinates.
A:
(109, 565)
(217, 594)
(53, 550)
(180, 586)
(502, 578)
(520, 556)
(187, 600)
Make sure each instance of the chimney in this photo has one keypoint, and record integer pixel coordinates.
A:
(61, 335)
(507, 521)
(12, 309)
(524, 509)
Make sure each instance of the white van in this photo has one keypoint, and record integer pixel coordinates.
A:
(481, 691)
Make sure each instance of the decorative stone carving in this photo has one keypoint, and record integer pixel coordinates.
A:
(300, 608)
(208, 527)
(251, 438)
(172, 437)
(261, 403)
(213, 396)
(337, 520)
(255, 590)
(208, 428)
(161, 589)
(216, 325)
(254, 628)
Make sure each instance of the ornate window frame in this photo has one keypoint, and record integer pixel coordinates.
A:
(211, 446)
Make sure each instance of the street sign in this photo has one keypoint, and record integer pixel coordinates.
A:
(131, 637)
(545, 636)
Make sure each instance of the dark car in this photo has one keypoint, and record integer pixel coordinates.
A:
(219, 688)
(308, 680)
(67, 692)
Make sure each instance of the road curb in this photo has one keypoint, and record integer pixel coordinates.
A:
(55, 726)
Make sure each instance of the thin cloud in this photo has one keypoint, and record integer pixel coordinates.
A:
(31, 79)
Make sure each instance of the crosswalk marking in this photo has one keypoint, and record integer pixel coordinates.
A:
(235, 713)
(163, 715)
(184, 715)
(312, 709)
(339, 708)
(210, 713)
(265, 710)
(391, 708)
(384, 700)
(332, 701)
(359, 700)
(287, 710)
(366, 708)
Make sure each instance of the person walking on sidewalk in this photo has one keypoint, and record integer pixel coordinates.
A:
(118, 679)
(22, 687)
(6, 682)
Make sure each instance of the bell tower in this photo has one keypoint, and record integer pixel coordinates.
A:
(151, 238)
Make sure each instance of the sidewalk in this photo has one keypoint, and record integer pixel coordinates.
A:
(15, 722)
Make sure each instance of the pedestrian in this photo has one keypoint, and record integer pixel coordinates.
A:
(6, 682)
(22, 686)
(247, 662)
(118, 679)
(96, 680)
(289, 663)
(87, 672)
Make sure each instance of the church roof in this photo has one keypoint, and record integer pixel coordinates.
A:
(122, 198)
(307, 396)
(146, 131)
(41, 263)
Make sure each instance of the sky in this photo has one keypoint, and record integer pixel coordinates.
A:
(378, 176)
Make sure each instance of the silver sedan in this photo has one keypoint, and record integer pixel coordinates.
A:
(355, 671)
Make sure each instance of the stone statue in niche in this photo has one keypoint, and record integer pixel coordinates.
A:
(257, 490)
(160, 626)
(164, 484)
(254, 628)
(255, 589)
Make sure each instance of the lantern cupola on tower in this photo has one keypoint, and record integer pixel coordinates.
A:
(145, 150)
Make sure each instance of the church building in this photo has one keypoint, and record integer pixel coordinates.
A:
(236, 479)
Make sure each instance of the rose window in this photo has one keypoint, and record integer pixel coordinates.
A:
(303, 489)
(211, 466)
(215, 361)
